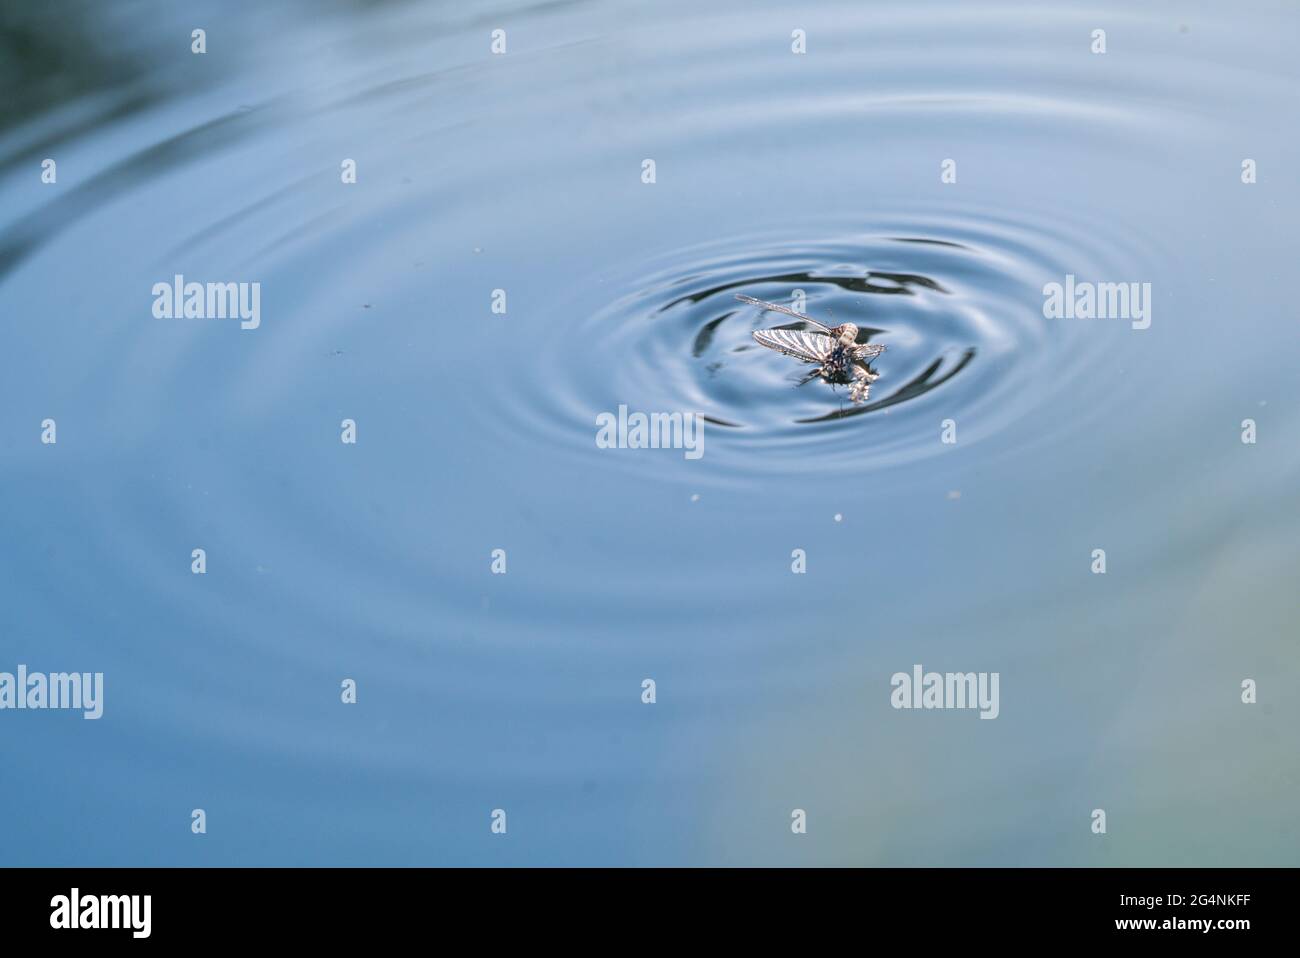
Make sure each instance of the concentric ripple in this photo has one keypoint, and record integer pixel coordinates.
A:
(956, 298)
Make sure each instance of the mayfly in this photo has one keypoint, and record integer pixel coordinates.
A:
(836, 351)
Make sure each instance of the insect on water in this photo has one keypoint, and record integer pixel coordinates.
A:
(840, 359)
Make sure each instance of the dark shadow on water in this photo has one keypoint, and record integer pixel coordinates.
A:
(855, 284)
(27, 235)
(930, 242)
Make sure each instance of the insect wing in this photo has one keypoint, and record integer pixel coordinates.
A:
(810, 347)
(776, 308)
(869, 351)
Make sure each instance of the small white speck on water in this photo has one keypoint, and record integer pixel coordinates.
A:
(695, 497)
(954, 493)
(839, 517)
(478, 249)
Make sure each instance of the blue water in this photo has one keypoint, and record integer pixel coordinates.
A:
(476, 430)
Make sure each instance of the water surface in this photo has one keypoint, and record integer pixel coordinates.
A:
(775, 172)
